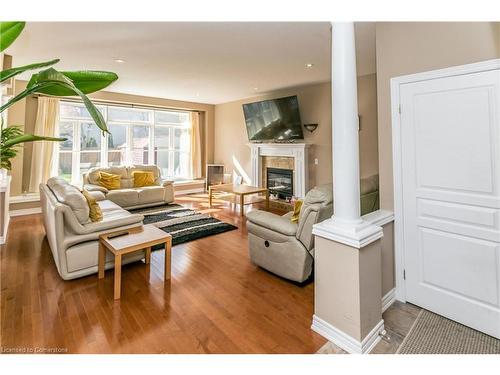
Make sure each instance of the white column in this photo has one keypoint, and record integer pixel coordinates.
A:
(346, 225)
(348, 279)
(345, 124)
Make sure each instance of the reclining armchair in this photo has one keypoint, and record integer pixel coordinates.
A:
(286, 248)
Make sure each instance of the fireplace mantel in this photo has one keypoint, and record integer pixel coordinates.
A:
(297, 151)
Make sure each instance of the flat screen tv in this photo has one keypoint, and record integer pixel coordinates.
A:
(276, 119)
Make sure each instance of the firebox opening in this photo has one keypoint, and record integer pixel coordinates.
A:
(280, 182)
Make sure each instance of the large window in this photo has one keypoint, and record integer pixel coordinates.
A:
(136, 136)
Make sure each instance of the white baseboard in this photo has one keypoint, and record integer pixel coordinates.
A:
(189, 191)
(25, 198)
(26, 211)
(388, 299)
(345, 341)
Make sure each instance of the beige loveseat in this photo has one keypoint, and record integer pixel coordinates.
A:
(286, 248)
(128, 196)
(72, 237)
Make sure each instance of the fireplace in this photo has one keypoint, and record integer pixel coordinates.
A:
(280, 182)
(298, 152)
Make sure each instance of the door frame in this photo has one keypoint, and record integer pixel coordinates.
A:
(396, 82)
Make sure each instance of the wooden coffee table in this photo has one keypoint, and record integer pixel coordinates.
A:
(127, 241)
(240, 190)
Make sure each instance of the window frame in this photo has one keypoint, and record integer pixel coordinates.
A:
(151, 124)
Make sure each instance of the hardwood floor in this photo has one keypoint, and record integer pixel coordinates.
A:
(218, 301)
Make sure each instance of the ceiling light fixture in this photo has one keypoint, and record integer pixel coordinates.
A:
(256, 89)
(119, 61)
(309, 65)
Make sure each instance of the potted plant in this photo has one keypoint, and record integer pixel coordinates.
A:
(47, 81)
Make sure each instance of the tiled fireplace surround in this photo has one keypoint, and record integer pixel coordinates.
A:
(292, 156)
(283, 162)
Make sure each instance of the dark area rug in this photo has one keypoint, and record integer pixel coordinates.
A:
(182, 223)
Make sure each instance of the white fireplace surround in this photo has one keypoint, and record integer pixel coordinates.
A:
(297, 151)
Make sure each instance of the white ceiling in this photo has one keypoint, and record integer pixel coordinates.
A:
(202, 62)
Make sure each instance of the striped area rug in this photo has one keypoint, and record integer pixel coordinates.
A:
(182, 223)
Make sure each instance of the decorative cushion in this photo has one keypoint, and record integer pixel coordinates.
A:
(93, 175)
(296, 211)
(109, 181)
(143, 178)
(71, 196)
(95, 211)
(145, 168)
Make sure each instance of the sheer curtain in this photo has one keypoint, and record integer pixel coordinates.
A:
(195, 145)
(47, 118)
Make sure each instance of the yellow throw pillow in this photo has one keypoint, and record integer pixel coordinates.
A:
(143, 178)
(95, 210)
(109, 181)
(296, 211)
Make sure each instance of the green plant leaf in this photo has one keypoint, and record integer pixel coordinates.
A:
(87, 81)
(94, 112)
(48, 75)
(5, 163)
(9, 73)
(50, 81)
(9, 31)
(38, 82)
(23, 94)
(10, 132)
(30, 138)
(11, 139)
(38, 87)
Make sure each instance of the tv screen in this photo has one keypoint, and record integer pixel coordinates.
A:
(276, 119)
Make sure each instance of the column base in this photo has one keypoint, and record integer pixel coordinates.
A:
(343, 340)
(356, 235)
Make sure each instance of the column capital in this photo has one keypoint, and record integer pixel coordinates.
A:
(356, 235)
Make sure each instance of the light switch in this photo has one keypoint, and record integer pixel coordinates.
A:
(316, 161)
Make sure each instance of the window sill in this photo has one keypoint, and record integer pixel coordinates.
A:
(188, 182)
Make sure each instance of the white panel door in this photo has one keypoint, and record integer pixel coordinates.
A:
(450, 140)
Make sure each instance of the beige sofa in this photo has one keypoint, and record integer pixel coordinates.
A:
(127, 196)
(72, 237)
(285, 248)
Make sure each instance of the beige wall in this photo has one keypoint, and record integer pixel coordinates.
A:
(406, 48)
(388, 269)
(16, 116)
(368, 134)
(24, 113)
(315, 107)
(231, 136)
